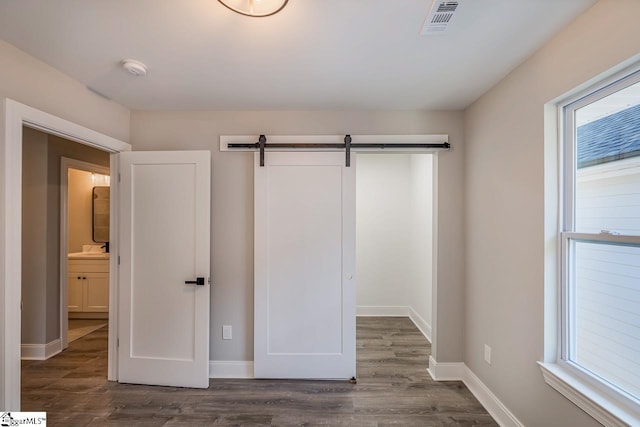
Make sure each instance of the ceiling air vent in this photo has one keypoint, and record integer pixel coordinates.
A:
(439, 17)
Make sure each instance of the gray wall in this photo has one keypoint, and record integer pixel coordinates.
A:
(42, 155)
(506, 206)
(232, 203)
(34, 229)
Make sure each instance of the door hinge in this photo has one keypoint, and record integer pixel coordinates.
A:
(118, 259)
(117, 342)
(209, 280)
(119, 177)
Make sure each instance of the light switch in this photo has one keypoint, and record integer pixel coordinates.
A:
(227, 332)
(487, 354)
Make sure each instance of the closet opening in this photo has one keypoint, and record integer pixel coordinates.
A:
(394, 237)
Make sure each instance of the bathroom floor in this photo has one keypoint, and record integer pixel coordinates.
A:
(78, 328)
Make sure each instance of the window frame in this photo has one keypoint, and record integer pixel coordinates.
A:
(605, 402)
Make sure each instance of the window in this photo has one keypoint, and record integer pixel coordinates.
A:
(600, 239)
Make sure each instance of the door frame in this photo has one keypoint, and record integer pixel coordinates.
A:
(14, 116)
(67, 163)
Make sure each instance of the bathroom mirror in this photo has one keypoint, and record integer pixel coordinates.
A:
(101, 214)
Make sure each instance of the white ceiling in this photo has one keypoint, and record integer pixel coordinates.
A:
(315, 54)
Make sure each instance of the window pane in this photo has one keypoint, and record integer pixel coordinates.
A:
(605, 313)
(608, 164)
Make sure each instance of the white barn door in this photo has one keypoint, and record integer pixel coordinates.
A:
(163, 326)
(305, 309)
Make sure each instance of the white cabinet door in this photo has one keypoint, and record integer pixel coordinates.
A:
(75, 292)
(163, 323)
(304, 266)
(88, 286)
(96, 292)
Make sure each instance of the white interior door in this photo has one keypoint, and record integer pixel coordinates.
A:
(305, 309)
(163, 326)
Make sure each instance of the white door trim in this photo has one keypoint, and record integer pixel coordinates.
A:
(65, 164)
(14, 116)
(434, 257)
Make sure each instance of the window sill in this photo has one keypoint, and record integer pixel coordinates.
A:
(597, 403)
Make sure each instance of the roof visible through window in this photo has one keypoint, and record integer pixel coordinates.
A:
(609, 129)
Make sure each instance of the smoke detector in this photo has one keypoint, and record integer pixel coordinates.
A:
(135, 68)
(439, 17)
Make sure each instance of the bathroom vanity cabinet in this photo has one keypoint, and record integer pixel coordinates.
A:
(88, 288)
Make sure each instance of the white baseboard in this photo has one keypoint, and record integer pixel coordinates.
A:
(490, 401)
(445, 371)
(53, 348)
(382, 311)
(230, 369)
(420, 323)
(40, 351)
(461, 372)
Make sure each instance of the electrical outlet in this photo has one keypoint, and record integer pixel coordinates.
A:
(227, 332)
(487, 354)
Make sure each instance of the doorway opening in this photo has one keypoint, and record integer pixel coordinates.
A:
(17, 117)
(57, 221)
(394, 237)
(84, 238)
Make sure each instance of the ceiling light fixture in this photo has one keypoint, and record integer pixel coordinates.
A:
(135, 68)
(255, 8)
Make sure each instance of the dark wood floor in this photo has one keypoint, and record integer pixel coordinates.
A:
(393, 389)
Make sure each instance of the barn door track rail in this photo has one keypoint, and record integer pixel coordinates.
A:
(403, 143)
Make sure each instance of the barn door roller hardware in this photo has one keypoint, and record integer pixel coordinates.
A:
(347, 145)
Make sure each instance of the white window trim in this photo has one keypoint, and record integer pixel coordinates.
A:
(592, 398)
(603, 402)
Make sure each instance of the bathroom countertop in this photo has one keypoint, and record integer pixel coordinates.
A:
(88, 255)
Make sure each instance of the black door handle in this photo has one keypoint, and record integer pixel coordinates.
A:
(199, 281)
